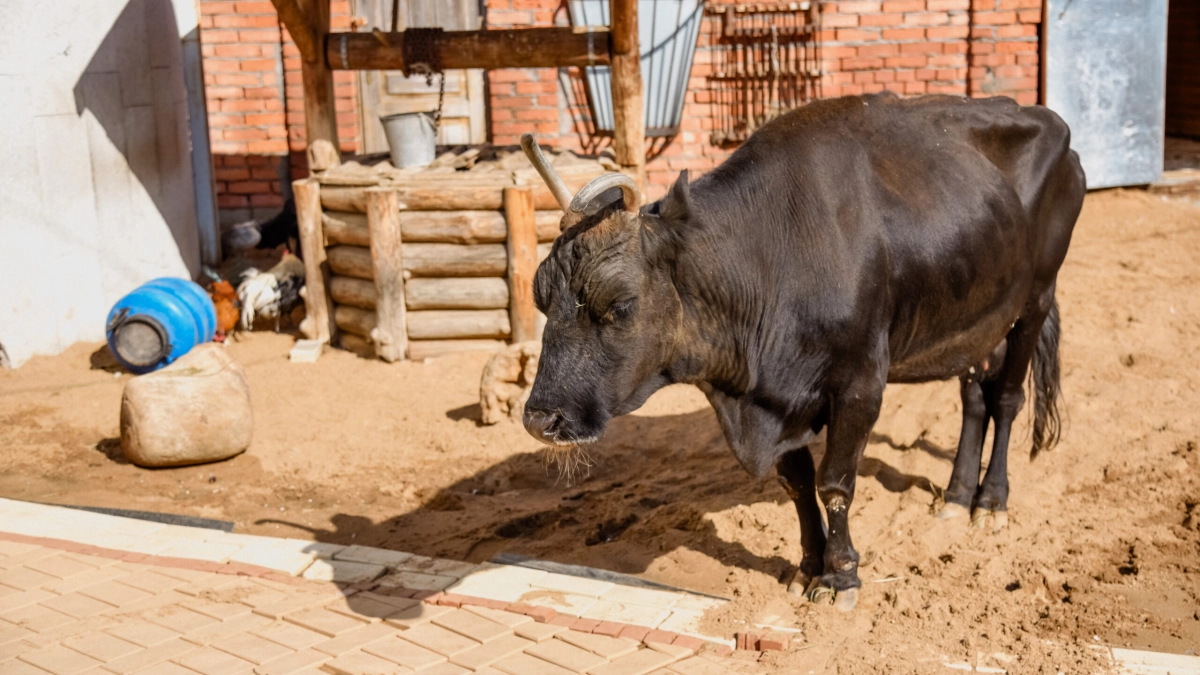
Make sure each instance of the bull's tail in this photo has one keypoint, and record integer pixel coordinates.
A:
(1047, 423)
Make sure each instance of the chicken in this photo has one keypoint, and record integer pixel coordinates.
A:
(272, 293)
(225, 299)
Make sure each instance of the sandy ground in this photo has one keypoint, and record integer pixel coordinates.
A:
(1103, 544)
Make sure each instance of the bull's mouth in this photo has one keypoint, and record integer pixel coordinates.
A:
(553, 427)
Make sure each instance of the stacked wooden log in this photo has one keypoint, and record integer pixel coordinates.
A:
(420, 265)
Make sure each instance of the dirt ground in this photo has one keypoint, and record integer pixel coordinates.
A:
(1103, 544)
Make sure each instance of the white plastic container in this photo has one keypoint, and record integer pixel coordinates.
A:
(411, 138)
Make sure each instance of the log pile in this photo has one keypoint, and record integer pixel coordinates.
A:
(421, 263)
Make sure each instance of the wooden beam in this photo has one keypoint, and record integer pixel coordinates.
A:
(318, 306)
(546, 47)
(383, 218)
(320, 114)
(629, 122)
(298, 27)
(522, 262)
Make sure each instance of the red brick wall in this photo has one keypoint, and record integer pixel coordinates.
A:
(256, 113)
(256, 104)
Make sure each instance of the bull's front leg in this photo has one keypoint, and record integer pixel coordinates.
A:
(852, 415)
(797, 475)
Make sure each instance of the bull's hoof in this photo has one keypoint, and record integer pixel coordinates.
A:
(986, 520)
(843, 601)
(799, 584)
(951, 510)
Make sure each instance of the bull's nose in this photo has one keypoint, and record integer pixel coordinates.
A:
(541, 423)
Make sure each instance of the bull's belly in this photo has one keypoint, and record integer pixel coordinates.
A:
(951, 353)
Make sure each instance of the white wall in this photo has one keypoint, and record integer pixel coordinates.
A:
(96, 191)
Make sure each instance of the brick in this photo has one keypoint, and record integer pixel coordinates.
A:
(210, 661)
(76, 605)
(490, 652)
(566, 655)
(416, 616)
(149, 656)
(638, 663)
(115, 593)
(524, 664)
(690, 642)
(609, 648)
(252, 648)
(178, 619)
(398, 650)
(355, 638)
(59, 660)
(58, 566)
(293, 663)
(696, 665)
(584, 625)
(101, 646)
(472, 625)
(438, 639)
(538, 632)
(166, 668)
(219, 631)
(370, 606)
(26, 579)
(323, 621)
(635, 633)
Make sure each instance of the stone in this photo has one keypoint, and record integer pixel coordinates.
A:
(507, 380)
(195, 410)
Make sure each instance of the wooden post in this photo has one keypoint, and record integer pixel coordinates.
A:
(318, 306)
(629, 122)
(522, 262)
(390, 334)
(307, 22)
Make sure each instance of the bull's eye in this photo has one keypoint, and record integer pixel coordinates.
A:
(620, 310)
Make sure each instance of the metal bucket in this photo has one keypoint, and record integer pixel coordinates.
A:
(411, 138)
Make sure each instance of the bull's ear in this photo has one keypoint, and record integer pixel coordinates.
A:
(677, 204)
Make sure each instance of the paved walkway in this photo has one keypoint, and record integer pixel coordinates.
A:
(84, 593)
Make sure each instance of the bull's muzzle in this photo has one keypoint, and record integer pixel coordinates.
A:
(543, 424)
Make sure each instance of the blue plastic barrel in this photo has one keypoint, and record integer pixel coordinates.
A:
(158, 322)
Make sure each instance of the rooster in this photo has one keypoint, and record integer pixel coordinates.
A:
(225, 299)
(272, 293)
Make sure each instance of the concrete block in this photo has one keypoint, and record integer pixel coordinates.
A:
(374, 556)
(284, 558)
(343, 571)
(639, 615)
(569, 584)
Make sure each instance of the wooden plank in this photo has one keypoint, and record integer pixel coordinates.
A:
(437, 227)
(540, 47)
(318, 323)
(522, 261)
(442, 324)
(353, 292)
(629, 123)
(355, 320)
(446, 195)
(426, 260)
(419, 350)
(357, 344)
(425, 293)
(383, 219)
(320, 115)
(482, 293)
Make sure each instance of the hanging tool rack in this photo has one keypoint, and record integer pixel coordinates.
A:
(766, 61)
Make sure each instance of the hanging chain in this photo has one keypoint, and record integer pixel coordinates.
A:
(421, 57)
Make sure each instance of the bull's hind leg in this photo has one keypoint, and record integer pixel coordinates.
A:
(964, 481)
(798, 477)
(1004, 397)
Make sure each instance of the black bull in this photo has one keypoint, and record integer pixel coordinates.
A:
(847, 244)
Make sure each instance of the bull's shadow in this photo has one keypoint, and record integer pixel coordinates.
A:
(642, 492)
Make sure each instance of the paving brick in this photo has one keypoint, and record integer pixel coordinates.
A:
(638, 663)
(292, 663)
(355, 638)
(218, 631)
(510, 619)
(451, 669)
(609, 648)
(343, 572)
(359, 663)
(568, 584)
(15, 667)
(641, 596)
(12, 633)
(114, 593)
(370, 606)
(166, 668)
(59, 660)
(398, 650)
(59, 566)
(373, 556)
(37, 618)
(289, 634)
(151, 582)
(222, 611)
(142, 633)
(417, 580)
(177, 618)
(26, 579)
(16, 601)
(101, 646)
(538, 632)
(566, 655)
(635, 633)
(323, 621)
(697, 666)
(490, 652)
(678, 651)
(417, 615)
(472, 626)
(692, 643)
(524, 664)
(14, 649)
(252, 648)
(84, 580)
(281, 557)
(438, 639)
(211, 661)
(438, 566)
(584, 625)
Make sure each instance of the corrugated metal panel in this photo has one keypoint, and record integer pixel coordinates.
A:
(1105, 72)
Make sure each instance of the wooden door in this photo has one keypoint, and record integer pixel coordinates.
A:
(386, 92)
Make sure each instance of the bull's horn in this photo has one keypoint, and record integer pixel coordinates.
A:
(557, 187)
(600, 185)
